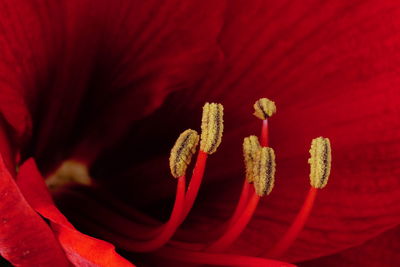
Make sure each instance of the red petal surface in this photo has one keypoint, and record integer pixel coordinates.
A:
(81, 250)
(382, 250)
(25, 238)
(96, 66)
(91, 73)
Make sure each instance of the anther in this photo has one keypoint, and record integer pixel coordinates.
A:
(264, 108)
(251, 146)
(264, 171)
(320, 162)
(211, 127)
(182, 152)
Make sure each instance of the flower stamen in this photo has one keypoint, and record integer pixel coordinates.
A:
(250, 149)
(260, 169)
(320, 162)
(180, 158)
(212, 126)
(170, 227)
(264, 171)
(241, 205)
(264, 109)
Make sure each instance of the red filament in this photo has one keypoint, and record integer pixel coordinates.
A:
(237, 227)
(264, 134)
(290, 236)
(244, 195)
(169, 228)
(195, 183)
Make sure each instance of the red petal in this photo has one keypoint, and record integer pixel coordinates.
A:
(25, 239)
(82, 250)
(382, 250)
(91, 63)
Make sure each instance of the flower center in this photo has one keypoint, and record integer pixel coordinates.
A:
(146, 235)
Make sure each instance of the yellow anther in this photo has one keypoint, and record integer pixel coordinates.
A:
(264, 171)
(212, 126)
(264, 108)
(182, 152)
(320, 162)
(251, 146)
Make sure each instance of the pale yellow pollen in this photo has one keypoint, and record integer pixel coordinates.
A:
(251, 146)
(212, 127)
(264, 108)
(182, 152)
(70, 172)
(320, 162)
(264, 171)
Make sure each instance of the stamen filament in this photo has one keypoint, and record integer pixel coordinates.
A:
(172, 224)
(212, 126)
(320, 165)
(290, 236)
(168, 229)
(195, 183)
(244, 196)
(217, 258)
(237, 227)
(264, 134)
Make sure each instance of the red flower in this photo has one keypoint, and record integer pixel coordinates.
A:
(112, 84)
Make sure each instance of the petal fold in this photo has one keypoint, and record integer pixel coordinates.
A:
(25, 238)
(81, 249)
